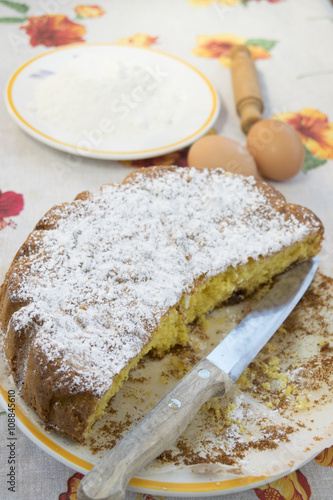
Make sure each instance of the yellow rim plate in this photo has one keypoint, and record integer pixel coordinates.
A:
(159, 481)
(201, 107)
(70, 454)
(57, 447)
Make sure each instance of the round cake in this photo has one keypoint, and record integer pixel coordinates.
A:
(105, 279)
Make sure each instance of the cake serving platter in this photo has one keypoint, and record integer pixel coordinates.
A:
(277, 418)
(179, 106)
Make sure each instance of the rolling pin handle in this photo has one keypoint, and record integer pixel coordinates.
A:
(247, 93)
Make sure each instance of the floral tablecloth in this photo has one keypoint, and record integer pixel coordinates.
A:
(292, 44)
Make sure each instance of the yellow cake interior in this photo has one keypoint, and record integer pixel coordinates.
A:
(204, 298)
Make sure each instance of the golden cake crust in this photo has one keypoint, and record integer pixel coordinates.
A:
(55, 383)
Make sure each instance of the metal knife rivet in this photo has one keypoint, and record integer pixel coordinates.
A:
(204, 373)
(174, 404)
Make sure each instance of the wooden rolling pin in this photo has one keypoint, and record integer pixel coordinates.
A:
(247, 93)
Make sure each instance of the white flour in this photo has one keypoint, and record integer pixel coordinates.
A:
(119, 97)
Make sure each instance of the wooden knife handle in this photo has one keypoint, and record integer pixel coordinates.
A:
(247, 93)
(154, 433)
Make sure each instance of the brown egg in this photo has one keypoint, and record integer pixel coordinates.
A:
(277, 149)
(214, 151)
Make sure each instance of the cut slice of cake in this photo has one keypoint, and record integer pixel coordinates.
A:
(105, 279)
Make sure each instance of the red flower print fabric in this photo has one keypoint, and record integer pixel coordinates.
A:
(11, 204)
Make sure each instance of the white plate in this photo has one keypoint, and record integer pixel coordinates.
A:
(198, 106)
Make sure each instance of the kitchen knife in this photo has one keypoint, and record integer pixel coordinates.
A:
(212, 377)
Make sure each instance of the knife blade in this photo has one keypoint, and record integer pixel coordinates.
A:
(238, 349)
(213, 376)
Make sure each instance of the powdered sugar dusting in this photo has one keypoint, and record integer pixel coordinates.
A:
(103, 278)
